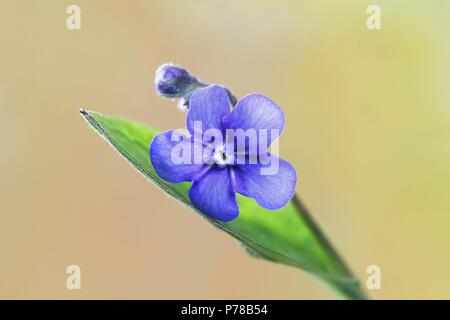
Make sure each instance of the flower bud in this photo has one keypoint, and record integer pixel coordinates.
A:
(174, 82)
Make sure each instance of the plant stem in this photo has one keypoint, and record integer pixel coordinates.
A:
(347, 291)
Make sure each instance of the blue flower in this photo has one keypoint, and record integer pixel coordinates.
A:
(224, 169)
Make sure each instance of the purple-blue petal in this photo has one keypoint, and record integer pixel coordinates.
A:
(270, 191)
(161, 149)
(208, 105)
(213, 195)
(257, 112)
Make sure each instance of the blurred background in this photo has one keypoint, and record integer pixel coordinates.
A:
(368, 129)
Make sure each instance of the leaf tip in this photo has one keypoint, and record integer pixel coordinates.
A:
(85, 113)
(90, 118)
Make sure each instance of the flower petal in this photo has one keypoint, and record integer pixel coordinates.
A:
(208, 105)
(166, 149)
(257, 112)
(271, 191)
(213, 195)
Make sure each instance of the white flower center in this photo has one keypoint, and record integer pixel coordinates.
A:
(220, 157)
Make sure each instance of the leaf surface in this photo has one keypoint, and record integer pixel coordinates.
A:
(287, 235)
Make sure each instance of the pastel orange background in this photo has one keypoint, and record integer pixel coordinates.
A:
(368, 129)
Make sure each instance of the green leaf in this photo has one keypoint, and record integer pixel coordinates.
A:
(287, 235)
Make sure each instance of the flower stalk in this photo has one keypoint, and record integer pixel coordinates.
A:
(346, 291)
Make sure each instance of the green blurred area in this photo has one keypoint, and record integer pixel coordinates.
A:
(368, 129)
